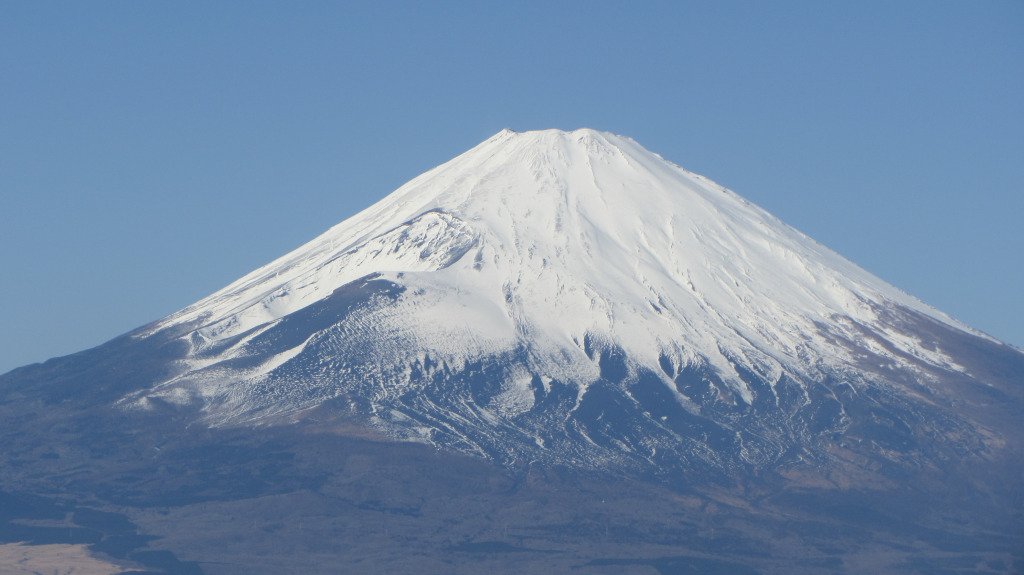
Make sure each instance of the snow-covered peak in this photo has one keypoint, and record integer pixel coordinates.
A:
(549, 239)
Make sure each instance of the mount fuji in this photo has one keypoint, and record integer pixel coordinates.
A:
(566, 301)
(572, 297)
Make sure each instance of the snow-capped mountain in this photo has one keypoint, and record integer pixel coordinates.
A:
(574, 298)
(555, 353)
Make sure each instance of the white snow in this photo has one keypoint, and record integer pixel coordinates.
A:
(551, 236)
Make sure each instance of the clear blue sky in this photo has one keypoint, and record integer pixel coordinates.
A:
(152, 152)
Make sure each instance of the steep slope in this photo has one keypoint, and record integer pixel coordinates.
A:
(574, 298)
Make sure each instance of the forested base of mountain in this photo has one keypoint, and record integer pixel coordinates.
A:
(320, 499)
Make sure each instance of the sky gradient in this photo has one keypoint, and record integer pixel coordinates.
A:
(151, 153)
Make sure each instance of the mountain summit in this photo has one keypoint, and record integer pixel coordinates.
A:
(574, 298)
